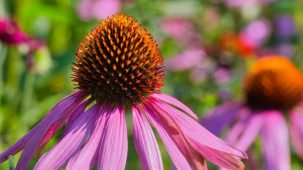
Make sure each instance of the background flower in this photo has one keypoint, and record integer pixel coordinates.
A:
(271, 97)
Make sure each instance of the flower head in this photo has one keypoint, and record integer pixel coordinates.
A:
(273, 82)
(119, 62)
(119, 68)
(273, 86)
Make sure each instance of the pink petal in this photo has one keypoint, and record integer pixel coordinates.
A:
(296, 130)
(57, 125)
(70, 143)
(75, 115)
(174, 152)
(208, 145)
(250, 132)
(174, 102)
(85, 158)
(145, 142)
(113, 145)
(19, 145)
(221, 117)
(275, 142)
(57, 113)
(236, 131)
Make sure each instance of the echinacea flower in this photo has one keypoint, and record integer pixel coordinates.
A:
(119, 69)
(272, 109)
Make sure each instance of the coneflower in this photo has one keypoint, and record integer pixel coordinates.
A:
(119, 69)
(273, 93)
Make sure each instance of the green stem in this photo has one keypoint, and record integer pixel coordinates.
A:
(2, 60)
(27, 91)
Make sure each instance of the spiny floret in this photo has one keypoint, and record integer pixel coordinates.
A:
(119, 62)
(273, 83)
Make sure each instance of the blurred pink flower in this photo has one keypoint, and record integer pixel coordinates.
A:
(192, 57)
(185, 60)
(109, 84)
(10, 33)
(256, 32)
(246, 3)
(271, 95)
(183, 31)
(98, 9)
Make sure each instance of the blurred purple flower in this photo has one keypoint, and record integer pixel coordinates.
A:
(98, 9)
(263, 111)
(285, 49)
(222, 75)
(285, 26)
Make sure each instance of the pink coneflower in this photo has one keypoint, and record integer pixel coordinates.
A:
(119, 69)
(273, 90)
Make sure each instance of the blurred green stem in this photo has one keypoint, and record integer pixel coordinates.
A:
(27, 91)
(2, 60)
(11, 165)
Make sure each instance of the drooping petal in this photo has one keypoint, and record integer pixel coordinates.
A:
(59, 112)
(75, 115)
(194, 158)
(174, 102)
(221, 117)
(19, 145)
(84, 159)
(236, 131)
(174, 152)
(113, 145)
(145, 142)
(275, 142)
(57, 125)
(70, 143)
(296, 130)
(252, 128)
(208, 145)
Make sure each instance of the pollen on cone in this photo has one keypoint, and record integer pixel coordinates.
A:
(118, 62)
(274, 83)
